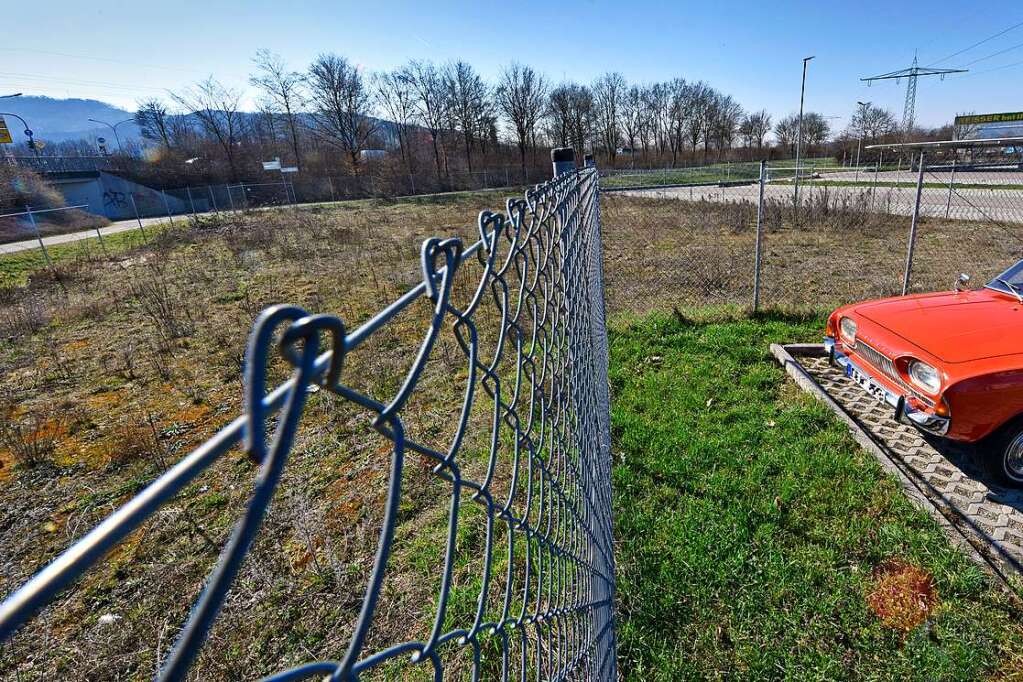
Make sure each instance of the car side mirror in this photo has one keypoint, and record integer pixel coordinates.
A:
(962, 281)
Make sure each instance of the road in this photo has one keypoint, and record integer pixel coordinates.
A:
(128, 225)
(988, 205)
(52, 240)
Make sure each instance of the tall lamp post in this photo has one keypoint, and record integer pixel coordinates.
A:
(114, 128)
(799, 131)
(859, 142)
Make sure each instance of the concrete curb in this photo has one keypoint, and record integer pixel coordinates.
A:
(786, 356)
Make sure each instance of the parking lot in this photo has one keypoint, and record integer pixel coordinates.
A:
(986, 519)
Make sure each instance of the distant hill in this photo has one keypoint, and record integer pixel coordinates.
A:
(56, 120)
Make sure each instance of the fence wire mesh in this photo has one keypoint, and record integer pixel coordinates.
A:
(513, 328)
(830, 234)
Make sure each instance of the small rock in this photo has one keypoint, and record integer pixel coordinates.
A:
(109, 619)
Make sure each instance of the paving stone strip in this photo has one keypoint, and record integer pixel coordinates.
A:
(987, 516)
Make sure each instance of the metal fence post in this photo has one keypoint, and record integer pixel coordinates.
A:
(230, 199)
(563, 159)
(166, 205)
(213, 199)
(191, 200)
(951, 182)
(330, 181)
(42, 247)
(758, 247)
(873, 189)
(913, 226)
(135, 207)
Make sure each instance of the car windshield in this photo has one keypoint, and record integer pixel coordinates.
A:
(1013, 276)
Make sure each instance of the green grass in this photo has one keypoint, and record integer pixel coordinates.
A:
(749, 524)
(15, 268)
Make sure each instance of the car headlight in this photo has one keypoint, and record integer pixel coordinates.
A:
(924, 376)
(848, 329)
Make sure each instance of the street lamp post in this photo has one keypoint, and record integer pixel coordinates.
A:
(799, 132)
(859, 141)
(114, 128)
(7, 153)
(28, 131)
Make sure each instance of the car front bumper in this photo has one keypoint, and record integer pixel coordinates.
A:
(905, 412)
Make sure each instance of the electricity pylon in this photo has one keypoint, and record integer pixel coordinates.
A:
(912, 73)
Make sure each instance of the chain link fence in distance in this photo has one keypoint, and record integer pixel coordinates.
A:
(841, 235)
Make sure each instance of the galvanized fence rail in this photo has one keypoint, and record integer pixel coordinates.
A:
(542, 379)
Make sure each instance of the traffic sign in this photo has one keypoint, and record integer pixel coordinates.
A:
(5, 133)
(289, 169)
(272, 165)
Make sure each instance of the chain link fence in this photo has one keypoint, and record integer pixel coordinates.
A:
(512, 330)
(812, 239)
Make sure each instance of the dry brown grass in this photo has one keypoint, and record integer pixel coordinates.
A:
(147, 348)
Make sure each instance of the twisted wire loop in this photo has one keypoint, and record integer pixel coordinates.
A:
(544, 386)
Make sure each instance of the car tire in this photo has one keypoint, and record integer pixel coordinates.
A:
(1002, 455)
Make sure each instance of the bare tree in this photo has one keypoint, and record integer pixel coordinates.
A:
(652, 106)
(282, 90)
(785, 132)
(341, 104)
(152, 119)
(960, 131)
(871, 123)
(521, 95)
(754, 128)
(816, 130)
(395, 94)
(608, 93)
(727, 115)
(216, 107)
(467, 100)
(632, 117)
(700, 96)
(571, 115)
(431, 103)
(679, 113)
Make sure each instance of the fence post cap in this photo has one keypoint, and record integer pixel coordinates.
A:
(562, 154)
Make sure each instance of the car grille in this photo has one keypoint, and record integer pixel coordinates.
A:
(879, 361)
(885, 365)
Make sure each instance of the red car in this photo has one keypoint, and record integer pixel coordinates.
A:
(949, 363)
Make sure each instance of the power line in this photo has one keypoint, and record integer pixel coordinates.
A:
(99, 59)
(77, 82)
(977, 44)
(995, 54)
(996, 68)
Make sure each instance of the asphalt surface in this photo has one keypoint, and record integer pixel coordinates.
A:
(986, 205)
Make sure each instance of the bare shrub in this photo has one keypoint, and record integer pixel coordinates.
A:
(23, 317)
(160, 299)
(30, 438)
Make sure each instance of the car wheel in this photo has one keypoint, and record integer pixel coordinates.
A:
(1004, 456)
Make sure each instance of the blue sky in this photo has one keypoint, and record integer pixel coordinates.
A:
(122, 51)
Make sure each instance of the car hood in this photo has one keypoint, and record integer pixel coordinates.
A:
(953, 327)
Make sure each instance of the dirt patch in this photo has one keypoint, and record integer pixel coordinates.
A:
(902, 596)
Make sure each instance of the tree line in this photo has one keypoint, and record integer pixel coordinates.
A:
(425, 123)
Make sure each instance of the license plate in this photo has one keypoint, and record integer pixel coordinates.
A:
(866, 383)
